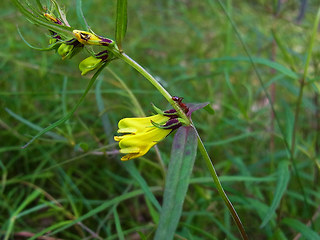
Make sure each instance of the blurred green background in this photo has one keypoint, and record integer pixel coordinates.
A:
(192, 48)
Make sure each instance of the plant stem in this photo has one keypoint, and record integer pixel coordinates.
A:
(299, 102)
(302, 83)
(155, 83)
(202, 149)
(219, 187)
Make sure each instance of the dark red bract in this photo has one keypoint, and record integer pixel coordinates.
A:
(181, 104)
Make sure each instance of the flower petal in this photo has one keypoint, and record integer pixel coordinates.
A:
(141, 141)
(127, 130)
(140, 124)
(130, 150)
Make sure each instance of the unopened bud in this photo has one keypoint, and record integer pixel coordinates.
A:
(89, 64)
(65, 50)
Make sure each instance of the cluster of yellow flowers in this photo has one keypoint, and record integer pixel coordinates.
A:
(68, 48)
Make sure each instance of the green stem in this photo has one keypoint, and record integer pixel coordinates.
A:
(154, 82)
(133, 98)
(219, 187)
(299, 102)
(302, 83)
(202, 149)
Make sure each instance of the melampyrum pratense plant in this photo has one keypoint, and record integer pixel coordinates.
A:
(135, 135)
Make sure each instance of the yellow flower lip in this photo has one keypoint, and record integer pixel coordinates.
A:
(139, 135)
(88, 38)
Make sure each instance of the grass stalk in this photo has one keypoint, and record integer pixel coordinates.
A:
(155, 83)
(220, 190)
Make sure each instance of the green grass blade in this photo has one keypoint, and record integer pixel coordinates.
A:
(80, 15)
(118, 224)
(93, 212)
(303, 229)
(33, 126)
(49, 48)
(49, 229)
(282, 183)
(277, 66)
(310, 47)
(108, 129)
(121, 22)
(66, 117)
(13, 217)
(289, 58)
(153, 212)
(240, 178)
(232, 139)
(183, 155)
(64, 108)
(131, 168)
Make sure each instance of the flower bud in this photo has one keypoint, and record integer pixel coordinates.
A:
(69, 48)
(65, 50)
(94, 62)
(89, 64)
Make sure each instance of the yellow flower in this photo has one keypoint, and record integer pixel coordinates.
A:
(140, 134)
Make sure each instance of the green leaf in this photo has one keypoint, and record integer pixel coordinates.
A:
(282, 183)
(183, 154)
(302, 228)
(121, 22)
(131, 168)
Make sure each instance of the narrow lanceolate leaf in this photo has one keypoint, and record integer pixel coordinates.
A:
(121, 22)
(40, 20)
(183, 154)
(283, 177)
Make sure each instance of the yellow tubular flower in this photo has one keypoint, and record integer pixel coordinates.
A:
(91, 39)
(140, 135)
